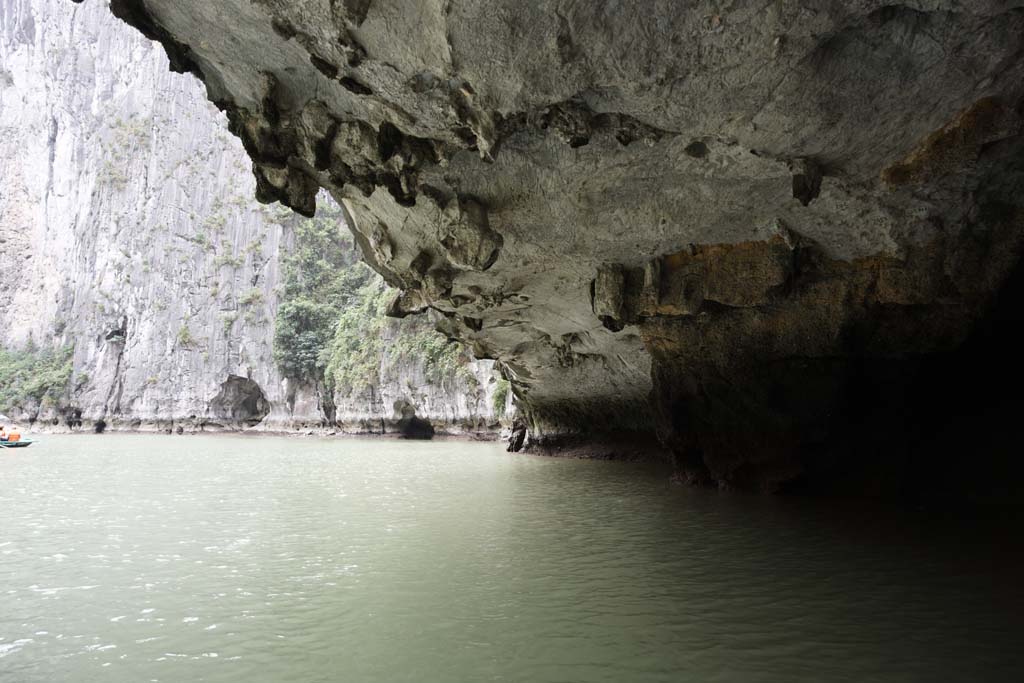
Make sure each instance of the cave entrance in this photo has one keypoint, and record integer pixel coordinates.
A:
(240, 400)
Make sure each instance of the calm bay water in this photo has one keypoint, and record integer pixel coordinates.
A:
(133, 558)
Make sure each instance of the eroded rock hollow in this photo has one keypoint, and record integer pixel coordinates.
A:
(742, 227)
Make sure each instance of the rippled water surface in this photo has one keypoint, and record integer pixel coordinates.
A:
(134, 558)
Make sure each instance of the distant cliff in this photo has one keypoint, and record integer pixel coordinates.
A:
(143, 285)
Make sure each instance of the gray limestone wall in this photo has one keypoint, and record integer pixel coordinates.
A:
(128, 231)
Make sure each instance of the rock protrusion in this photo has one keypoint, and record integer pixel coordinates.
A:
(609, 295)
(806, 180)
(467, 237)
(383, 247)
(407, 302)
(956, 146)
(518, 436)
(686, 282)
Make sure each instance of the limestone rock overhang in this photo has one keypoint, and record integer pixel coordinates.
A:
(655, 216)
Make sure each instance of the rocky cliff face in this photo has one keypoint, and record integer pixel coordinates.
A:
(128, 231)
(728, 223)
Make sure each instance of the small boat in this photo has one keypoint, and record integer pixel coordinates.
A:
(24, 443)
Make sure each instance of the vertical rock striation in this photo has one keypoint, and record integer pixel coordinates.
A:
(128, 231)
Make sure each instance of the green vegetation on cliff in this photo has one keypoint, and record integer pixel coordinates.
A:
(367, 343)
(320, 279)
(353, 355)
(500, 397)
(331, 325)
(33, 376)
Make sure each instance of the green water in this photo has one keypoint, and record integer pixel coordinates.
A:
(187, 558)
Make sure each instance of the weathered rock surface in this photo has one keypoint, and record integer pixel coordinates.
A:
(128, 230)
(713, 222)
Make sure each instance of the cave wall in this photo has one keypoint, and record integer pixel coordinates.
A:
(716, 223)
